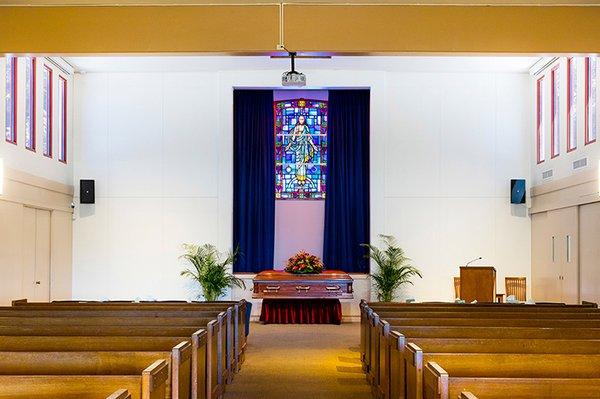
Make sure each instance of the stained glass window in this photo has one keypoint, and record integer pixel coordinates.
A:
(11, 100)
(62, 119)
(300, 149)
(30, 66)
(47, 112)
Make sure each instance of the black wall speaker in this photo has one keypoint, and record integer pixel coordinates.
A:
(87, 192)
(517, 191)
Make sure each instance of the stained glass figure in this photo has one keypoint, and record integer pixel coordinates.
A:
(300, 149)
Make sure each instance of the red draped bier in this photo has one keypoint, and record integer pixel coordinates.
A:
(301, 311)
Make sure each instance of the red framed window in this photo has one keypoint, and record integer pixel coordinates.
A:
(47, 111)
(555, 112)
(11, 100)
(591, 110)
(571, 104)
(30, 102)
(62, 119)
(539, 113)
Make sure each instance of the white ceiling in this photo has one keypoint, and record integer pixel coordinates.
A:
(374, 63)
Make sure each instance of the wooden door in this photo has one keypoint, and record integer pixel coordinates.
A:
(36, 254)
(29, 252)
(42, 256)
(566, 222)
(589, 252)
(545, 266)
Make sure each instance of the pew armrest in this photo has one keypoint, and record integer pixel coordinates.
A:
(435, 381)
(155, 380)
(397, 340)
(413, 355)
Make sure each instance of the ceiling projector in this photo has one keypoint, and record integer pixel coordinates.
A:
(293, 78)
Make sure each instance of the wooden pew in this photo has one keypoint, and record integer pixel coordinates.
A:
(120, 394)
(367, 309)
(104, 362)
(239, 311)
(206, 361)
(393, 363)
(372, 329)
(439, 384)
(235, 317)
(100, 318)
(150, 384)
(476, 362)
(181, 352)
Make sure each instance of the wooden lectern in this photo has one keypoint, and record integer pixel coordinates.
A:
(477, 283)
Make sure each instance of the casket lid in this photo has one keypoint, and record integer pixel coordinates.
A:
(280, 275)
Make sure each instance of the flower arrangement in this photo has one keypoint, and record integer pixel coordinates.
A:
(304, 263)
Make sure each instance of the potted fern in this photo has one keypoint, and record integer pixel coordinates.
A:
(394, 268)
(210, 271)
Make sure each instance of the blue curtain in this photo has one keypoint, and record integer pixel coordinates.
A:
(253, 179)
(347, 202)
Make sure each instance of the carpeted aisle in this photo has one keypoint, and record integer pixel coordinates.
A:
(301, 361)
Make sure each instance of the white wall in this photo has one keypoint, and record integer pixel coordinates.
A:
(454, 141)
(443, 148)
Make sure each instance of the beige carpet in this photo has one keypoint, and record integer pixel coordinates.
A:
(301, 361)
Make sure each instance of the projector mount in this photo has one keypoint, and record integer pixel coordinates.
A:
(293, 77)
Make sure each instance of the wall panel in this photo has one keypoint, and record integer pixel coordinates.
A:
(151, 29)
(441, 29)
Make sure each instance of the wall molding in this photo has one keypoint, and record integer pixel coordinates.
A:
(579, 189)
(38, 192)
(36, 181)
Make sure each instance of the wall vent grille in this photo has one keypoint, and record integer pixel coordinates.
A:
(547, 174)
(580, 163)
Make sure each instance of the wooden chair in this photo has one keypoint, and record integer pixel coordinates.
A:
(516, 286)
(456, 287)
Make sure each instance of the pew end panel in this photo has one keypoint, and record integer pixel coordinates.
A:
(243, 306)
(230, 358)
(201, 357)
(382, 382)
(373, 348)
(213, 378)
(120, 394)
(363, 325)
(397, 370)
(155, 380)
(181, 370)
(435, 382)
(222, 369)
(367, 331)
(413, 365)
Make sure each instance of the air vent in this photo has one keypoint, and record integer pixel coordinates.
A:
(548, 174)
(580, 163)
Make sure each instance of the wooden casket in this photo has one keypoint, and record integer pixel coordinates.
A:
(277, 284)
